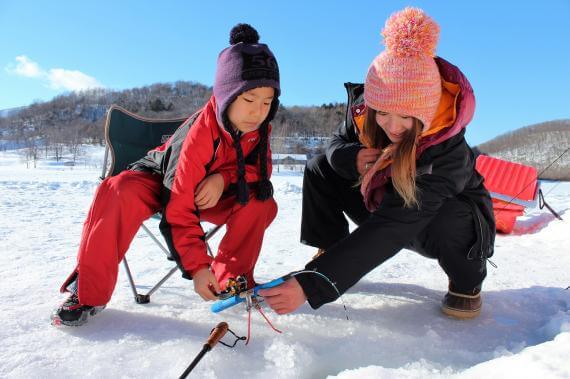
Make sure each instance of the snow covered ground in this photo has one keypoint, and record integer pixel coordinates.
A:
(395, 330)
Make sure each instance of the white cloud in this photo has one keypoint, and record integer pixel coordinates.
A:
(72, 80)
(55, 78)
(26, 67)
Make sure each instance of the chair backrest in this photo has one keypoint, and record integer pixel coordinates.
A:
(130, 136)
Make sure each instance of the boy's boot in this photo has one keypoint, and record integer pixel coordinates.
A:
(73, 313)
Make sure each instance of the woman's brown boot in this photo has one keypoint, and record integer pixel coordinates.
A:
(460, 305)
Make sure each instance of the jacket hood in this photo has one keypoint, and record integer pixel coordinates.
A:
(456, 107)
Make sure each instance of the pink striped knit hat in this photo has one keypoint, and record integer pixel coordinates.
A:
(404, 78)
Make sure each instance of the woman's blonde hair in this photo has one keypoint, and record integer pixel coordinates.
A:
(403, 156)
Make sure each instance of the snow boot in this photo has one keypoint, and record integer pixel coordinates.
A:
(462, 305)
(73, 313)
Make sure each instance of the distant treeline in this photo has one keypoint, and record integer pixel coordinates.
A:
(543, 146)
(63, 123)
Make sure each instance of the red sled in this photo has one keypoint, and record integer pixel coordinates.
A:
(513, 188)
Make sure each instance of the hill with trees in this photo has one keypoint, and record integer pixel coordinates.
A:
(61, 125)
(67, 121)
(540, 145)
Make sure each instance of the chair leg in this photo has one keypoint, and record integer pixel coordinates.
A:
(161, 282)
(145, 298)
(164, 249)
(139, 298)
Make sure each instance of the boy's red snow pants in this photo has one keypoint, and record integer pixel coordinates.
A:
(123, 202)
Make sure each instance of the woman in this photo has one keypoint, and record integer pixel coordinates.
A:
(419, 187)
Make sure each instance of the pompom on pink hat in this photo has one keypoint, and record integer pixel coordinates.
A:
(404, 78)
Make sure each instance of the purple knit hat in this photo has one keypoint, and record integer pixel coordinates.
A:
(244, 65)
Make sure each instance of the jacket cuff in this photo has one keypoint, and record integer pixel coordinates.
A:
(317, 290)
(227, 179)
(198, 268)
(311, 293)
(190, 268)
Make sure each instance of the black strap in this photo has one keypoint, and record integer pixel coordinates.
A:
(542, 203)
(238, 338)
(209, 164)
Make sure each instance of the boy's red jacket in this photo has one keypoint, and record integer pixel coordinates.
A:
(198, 148)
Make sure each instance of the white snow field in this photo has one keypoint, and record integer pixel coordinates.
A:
(396, 329)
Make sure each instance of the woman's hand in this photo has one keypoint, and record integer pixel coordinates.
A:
(205, 284)
(365, 159)
(209, 191)
(285, 298)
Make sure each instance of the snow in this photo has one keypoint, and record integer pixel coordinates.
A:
(396, 329)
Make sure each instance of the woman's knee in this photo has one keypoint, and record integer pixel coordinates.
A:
(454, 225)
(451, 232)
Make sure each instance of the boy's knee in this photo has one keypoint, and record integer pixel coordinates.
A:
(109, 186)
(270, 207)
(266, 210)
(131, 184)
(119, 186)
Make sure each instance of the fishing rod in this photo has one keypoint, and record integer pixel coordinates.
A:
(217, 333)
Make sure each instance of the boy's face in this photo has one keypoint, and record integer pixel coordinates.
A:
(251, 108)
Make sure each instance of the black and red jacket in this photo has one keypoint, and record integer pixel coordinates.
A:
(198, 148)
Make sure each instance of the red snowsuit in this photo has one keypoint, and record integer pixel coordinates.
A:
(165, 180)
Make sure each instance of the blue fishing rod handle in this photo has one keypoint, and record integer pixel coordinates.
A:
(220, 305)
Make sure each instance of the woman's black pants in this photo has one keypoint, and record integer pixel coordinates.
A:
(328, 199)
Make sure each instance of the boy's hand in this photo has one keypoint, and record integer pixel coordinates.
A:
(209, 191)
(284, 298)
(205, 284)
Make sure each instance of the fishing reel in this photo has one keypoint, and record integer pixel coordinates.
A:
(234, 287)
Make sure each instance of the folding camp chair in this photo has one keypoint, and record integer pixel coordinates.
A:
(513, 187)
(128, 138)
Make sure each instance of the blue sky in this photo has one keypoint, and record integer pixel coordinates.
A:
(515, 53)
